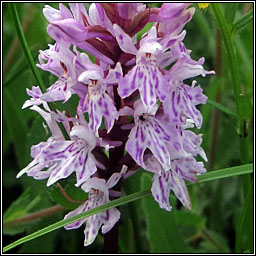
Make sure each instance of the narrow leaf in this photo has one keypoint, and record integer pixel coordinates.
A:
(244, 230)
(225, 173)
(241, 23)
(222, 108)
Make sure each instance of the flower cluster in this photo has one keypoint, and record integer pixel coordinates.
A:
(133, 103)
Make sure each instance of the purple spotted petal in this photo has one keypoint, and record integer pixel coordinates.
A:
(161, 190)
(92, 228)
(58, 91)
(114, 74)
(112, 181)
(150, 82)
(82, 208)
(174, 16)
(35, 93)
(109, 219)
(189, 168)
(170, 180)
(148, 133)
(195, 94)
(178, 186)
(124, 40)
(70, 156)
(186, 68)
(178, 106)
(99, 106)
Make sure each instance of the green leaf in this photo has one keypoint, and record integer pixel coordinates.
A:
(19, 208)
(228, 172)
(190, 219)
(167, 239)
(244, 228)
(241, 23)
(75, 193)
(230, 12)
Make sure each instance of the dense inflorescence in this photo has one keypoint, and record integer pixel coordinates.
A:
(133, 95)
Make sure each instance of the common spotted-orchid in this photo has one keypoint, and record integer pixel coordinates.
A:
(135, 109)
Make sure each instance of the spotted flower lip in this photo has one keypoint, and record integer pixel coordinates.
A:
(98, 194)
(180, 104)
(146, 75)
(63, 157)
(149, 132)
(97, 102)
(64, 64)
(172, 179)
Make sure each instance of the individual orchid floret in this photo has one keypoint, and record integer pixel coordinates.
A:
(183, 168)
(98, 195)
(180, 104)
(62, 157)
(172, 18)
(148, 132)
(35, 99)
(64, 64)
(78, 28)
(185, 143)
(34, 168)
(52, 14)
(97, 102)
(74, 155)
(146, 75)
(186, 67)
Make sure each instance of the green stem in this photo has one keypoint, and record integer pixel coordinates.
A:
(227, 38)
(24, 45)
(228, 172)
(242, 219)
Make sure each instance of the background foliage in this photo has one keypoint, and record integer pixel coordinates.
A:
(221, 219)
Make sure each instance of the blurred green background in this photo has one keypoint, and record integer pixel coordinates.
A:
(210, 227)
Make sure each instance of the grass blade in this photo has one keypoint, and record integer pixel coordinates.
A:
(241, 23)
(221, 108)
(24, 45)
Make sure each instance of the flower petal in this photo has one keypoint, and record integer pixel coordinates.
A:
(124, 40)
(82, 208)
(110, 218)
